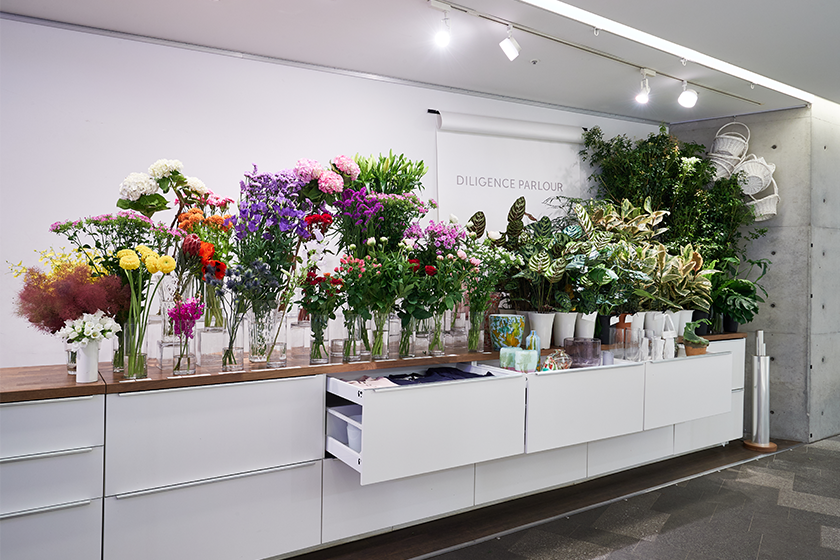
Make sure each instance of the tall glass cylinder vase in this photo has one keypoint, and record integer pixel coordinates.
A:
(183, 353)
(319, 347)
(380, 335)
(213, 318)
(263, 330)
(475, 334)
(136, 350)
(437, 345)
(71, 359)
(354, 331)
(408, 337)
(118, 346)
(233, 354)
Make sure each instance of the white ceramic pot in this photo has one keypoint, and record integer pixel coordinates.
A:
(637, 320)
(542, 323)
(585, 326)
(655, 321)
(683, 316)
(564, 327)
(87, 363)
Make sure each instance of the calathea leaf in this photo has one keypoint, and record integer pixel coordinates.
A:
(539, 262)
(478, 224)
(517, 210)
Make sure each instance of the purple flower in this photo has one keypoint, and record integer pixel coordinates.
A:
(184, 316)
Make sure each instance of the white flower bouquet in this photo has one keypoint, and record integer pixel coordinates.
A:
(96, 326)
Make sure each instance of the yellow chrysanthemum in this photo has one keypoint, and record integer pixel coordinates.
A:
(124, 252)
(144, 251)
(130, 261)
(166, 264)
(151, 264)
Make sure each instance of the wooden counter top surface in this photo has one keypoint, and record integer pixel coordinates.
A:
(50, 382)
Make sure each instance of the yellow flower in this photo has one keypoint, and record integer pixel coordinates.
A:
(166, 264)
(151, 263)
(124, 252)
(130, 261)
(144, 251)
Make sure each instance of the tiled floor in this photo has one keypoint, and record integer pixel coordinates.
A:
(781, 507)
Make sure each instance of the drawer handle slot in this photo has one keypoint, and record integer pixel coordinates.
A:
(46, 455)
(211, 480)
(48, 401)
(44, 509)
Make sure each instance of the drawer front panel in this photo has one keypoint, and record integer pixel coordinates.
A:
(160, 438)
(571, 407)
(420, 429)
(351, 509)
(615, 454)
(738, 349)
(73, 532)
(712, 430)
(249, 517)
(687, 388)
(33, 427)
(37, 481)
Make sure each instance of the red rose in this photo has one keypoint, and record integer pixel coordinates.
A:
(416, 264)
(430, 270)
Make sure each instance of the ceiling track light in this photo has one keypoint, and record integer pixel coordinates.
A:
(509, 45)
(444, 34)
(688, 98)
(644, 94)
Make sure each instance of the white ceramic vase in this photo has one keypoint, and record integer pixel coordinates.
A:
(637, 320)
(542, 323)
(87, 363)
(564, 327)
(683, 317)
(655, 321)
(585, 325)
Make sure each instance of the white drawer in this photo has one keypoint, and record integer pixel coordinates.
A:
(738, 349)
(579, 405)
(159, 438)
(51, 425)
(712, 430)
(619, 453)
(47, 479)
(417, 429)
(69, 532)
(685, 389)
(351, 509)
(525, 474)
(248, 516)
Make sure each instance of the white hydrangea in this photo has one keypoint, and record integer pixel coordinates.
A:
(164, 167)
(136, 185)
(197, 186)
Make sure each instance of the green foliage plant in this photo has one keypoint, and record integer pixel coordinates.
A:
(390, 174)
(690, 337)
(734, 294)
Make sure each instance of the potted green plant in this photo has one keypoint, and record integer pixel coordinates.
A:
(694, 345)
(734, 295)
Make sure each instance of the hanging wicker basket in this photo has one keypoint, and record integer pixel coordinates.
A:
(731, 143)
(724, 165)
(765, 208)
(756, 174)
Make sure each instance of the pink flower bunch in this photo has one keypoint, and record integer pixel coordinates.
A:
(184, 316)
(308, 170)
(330, 182)
(347, 167)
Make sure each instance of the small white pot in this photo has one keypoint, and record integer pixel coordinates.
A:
(87, 363)
(542, 323)
(564, 327)
(585, 326)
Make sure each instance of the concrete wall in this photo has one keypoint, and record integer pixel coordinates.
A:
(801, 337)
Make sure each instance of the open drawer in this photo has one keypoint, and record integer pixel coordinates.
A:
(409, 430)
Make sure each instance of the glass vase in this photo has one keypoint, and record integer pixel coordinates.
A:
(263, 330)
(214, 317)
(136, 350)
(118, 346)
(475, 335)
(408, 337)
(380, 335)
(233, 354)
(184, 358)
(71, 359)
(354, 334)
(437, 346)
(456, 325)
(319, 340)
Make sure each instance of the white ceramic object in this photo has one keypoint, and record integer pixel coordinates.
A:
(564, 327)
(585, 326)
(542, 323)
(655, 321)
(87, 363)
(637, 320)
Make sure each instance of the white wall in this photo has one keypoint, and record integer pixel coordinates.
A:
(79, 112)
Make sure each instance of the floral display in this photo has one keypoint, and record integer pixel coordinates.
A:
(320, 297)
(89, 327)
(184, 315)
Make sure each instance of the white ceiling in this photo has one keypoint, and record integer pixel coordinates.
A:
(796, 43)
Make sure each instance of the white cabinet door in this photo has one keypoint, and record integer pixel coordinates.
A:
(712, 430)
(737, 348)
(575, 406)
(249, 516)
(417, 429)
(69, 532)
(51, 425)
(525, 474)
(159, 438)
(687, 388)
(46, 479)
(351, 509)
(619, 453)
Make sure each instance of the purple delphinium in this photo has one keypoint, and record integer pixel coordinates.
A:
(270, 205)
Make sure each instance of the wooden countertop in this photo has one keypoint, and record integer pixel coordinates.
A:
(51, 382)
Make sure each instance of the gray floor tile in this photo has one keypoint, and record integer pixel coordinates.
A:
(775, 548)
(540, 545)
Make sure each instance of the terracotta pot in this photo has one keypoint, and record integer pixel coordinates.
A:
(695, 349)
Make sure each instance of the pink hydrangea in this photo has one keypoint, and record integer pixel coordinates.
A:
(308, 170)
(347, 166)
(330, 182)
